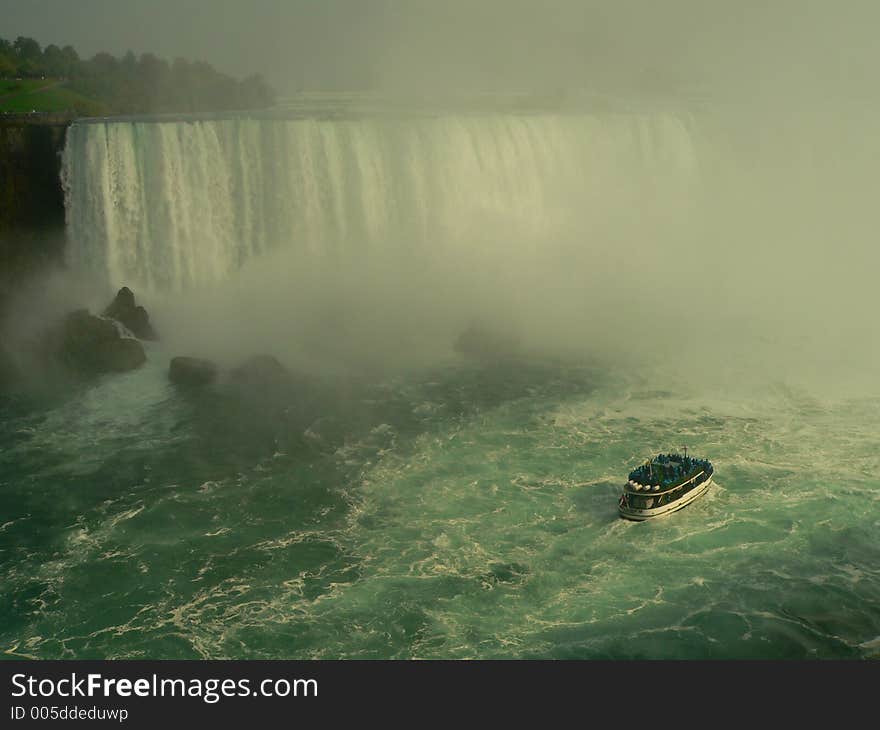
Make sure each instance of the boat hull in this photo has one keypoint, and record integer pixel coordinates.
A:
(639, 515)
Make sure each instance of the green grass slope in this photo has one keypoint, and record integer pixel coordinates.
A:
(44, 95)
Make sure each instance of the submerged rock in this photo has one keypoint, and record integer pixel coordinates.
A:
(261, 370)
(192, 371)
(92, 345)
(135, 318)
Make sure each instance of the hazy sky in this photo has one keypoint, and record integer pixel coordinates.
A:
(502, 44)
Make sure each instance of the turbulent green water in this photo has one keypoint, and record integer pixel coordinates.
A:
(467, 511)
(719, 265)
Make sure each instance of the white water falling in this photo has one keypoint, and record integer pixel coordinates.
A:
(180, 205)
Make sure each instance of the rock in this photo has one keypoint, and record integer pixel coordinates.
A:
(124, 310)
(92, 345)
(261, 370)
(122, 355)
(192, 371)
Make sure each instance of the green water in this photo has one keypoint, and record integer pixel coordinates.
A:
(458, 512)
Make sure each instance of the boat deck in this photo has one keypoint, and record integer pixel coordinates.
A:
(664, 484)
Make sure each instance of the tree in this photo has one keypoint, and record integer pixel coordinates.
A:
(30, 69)
(72, 63)
(131, 84)
(7, 67)
(104, 63)
(155, 86)
(255, 92)
(27, 49)
(129, 63)
(54, 62)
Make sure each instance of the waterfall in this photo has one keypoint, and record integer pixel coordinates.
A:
(179, 205)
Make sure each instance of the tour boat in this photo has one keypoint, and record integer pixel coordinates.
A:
(664, 484)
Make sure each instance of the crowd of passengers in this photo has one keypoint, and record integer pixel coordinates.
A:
(668, 469)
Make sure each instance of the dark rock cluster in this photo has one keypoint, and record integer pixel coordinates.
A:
(192, 371)
(93, 345)
(258, 373)
(87, 344)
(135, 318)
(260, 370)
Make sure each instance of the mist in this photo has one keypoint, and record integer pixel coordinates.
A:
(778, 49)
(749, 240)
(723, 246)
(660, 220)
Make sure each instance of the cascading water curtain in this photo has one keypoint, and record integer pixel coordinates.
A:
(179, 205)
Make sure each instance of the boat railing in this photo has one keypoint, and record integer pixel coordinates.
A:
(693, 479)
